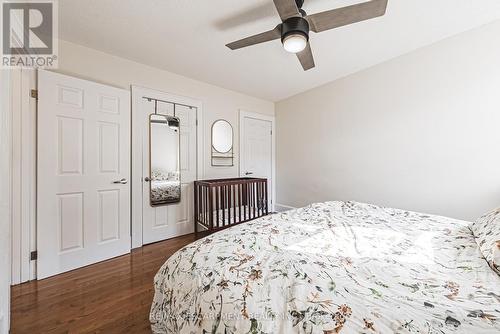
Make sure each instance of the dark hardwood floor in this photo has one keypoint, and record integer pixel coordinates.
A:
(108, 297)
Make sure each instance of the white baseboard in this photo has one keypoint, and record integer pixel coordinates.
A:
(282, 207)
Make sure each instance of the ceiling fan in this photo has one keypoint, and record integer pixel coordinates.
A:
(294, 31)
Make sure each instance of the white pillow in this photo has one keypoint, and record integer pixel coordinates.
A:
(486, 230)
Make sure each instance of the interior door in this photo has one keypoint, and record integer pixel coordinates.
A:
(171, 220)
(83, 195)
(257, 150)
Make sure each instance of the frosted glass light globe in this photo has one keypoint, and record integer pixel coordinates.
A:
(295, 43)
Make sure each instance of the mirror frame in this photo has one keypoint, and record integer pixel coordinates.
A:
(173, 201)
(229, 153)
(212, 136)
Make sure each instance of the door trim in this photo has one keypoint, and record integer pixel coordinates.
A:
(269, 118)
(6, 198)
(138, 92)
(23, 165)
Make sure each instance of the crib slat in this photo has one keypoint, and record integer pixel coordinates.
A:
(231, 204)
(204, 205)
(200, 209)
(249, 192)
(243, 195)
(254, 196)
(207, 204)
(195, 207)
(210, 207)
(259, 199)
(228, 206)
(233, 191)
(239, 202)
(217, 205)
(266, 200)
(263, 198)
(245, 202)
(223, 200)
(264, 185)
(249, 201)
(207, 199)
(252, 193)
(200, 216)
(201, 206)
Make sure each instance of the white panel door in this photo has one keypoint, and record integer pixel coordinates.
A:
(83, 197)
(256, 150)
(172, 220)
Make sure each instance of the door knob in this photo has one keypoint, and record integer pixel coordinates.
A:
(147, 179)
(122, 181)
(248, 173)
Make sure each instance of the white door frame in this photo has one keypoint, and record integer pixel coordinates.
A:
(5, 197)
(138, 93)
(23, 165)
(269, 118)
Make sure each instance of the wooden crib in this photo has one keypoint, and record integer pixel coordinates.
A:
(222, 203)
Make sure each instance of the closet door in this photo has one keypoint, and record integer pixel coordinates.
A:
(256, 148)
(171, 220)
(83, 197)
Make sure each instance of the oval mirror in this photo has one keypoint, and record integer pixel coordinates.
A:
(222, 136)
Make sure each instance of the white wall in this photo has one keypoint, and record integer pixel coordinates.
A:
(5, 216)
(218, 103)
(420, 132)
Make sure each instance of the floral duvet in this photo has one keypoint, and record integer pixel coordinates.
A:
(337, 267)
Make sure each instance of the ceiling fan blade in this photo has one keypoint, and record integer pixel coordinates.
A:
(256, 39)
(347, 15)
(286, 8)
(306, 58)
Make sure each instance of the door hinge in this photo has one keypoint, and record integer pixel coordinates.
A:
(34, 255)
(34, 94)
(271, 132)
(196, 122)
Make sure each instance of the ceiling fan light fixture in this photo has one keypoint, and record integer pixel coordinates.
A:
(295, 43)
(295, 34)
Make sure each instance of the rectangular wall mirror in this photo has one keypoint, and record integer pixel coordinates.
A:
(164, 142)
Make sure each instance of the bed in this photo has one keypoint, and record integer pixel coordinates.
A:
(336, 267)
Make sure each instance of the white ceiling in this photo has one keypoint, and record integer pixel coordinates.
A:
(188, 37)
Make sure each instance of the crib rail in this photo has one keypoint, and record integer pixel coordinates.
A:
(222, 203)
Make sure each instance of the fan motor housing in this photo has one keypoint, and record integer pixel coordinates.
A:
(294, 25)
